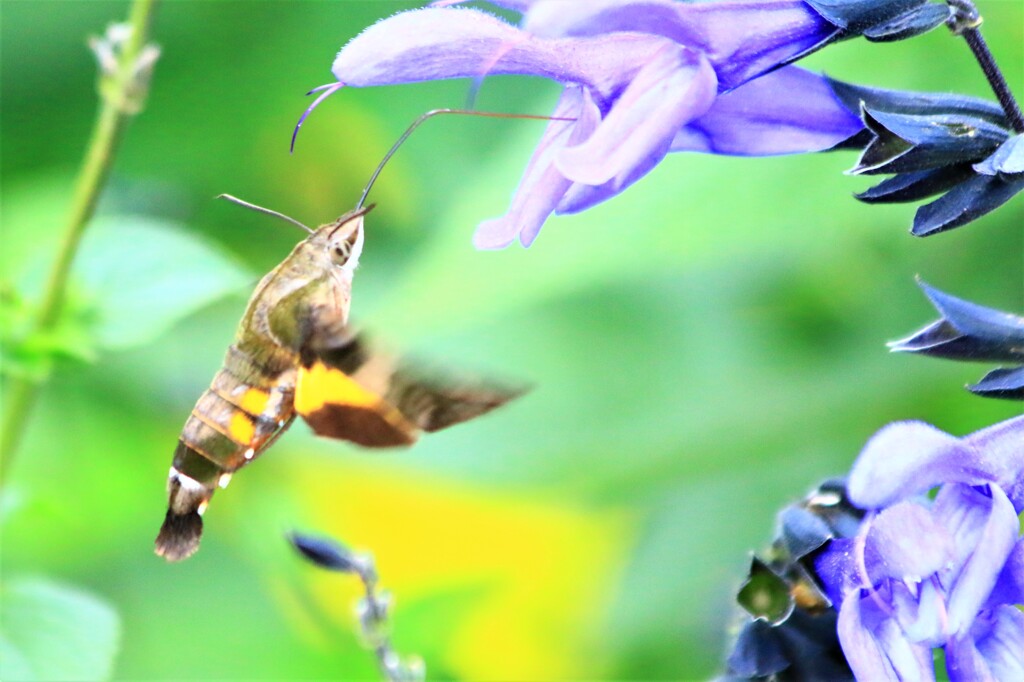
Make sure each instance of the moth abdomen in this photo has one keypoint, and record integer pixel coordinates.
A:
(190, 485)
(236, 416)
(179, 535)
(234, 420)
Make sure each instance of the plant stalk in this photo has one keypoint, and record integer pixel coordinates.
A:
(965, 21)
(118, 103)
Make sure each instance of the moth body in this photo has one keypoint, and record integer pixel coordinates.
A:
(294, 354)
(251, 398)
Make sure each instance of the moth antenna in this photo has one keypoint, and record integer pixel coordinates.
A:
(436, 112)
(260, 209)
(326, 91)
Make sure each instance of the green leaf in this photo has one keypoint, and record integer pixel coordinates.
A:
(16, 358)
(146, 274)
(54, 632)
(28, 353)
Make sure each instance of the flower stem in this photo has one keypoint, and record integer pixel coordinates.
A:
(373, 617)
(122, 87)
(965, 21)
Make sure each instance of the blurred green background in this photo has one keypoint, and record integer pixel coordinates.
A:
(705, 349)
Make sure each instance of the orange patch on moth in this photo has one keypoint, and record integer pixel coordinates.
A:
(241, 428)
(320, 385)
(255, 401)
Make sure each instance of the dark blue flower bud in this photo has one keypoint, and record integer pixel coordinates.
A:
(881, 20)
(965, 203)
(915, 142)
(935, 143)
(324, 552)
(758, 651)
(1005, 382)
(802, 531)
(971, 332)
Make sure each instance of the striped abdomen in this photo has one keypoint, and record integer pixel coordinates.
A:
(249, 402)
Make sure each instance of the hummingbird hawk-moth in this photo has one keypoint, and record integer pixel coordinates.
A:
(295, 355)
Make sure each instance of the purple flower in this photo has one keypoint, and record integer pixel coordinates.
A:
(642, 78)
(944, 572)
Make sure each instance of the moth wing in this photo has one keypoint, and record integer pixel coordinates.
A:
(438, 400)
(355, 393)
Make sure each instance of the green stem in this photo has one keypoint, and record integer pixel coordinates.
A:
(18, 400)
(110, 123)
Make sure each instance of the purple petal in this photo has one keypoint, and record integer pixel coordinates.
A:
(746, 39)
(907, 458)
(922, 615)
(789, 111)
(423, 45)
(993, 650)
(673, 87)
(863, 652)
(557, 18)
(439, 43)
(1009, 587)
(910, 660)
(1002, 446)
(910, 542)
(875, 646)
(1002, 645)
(515, 5)
(741, 39)
(892, 464)
(986, 531)
(741, 127)
(541, 186)
(835, 567)
(580, 197)
(964, 662)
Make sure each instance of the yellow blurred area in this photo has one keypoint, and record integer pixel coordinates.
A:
(541, 574)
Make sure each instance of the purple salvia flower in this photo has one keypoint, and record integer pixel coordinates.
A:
(742, 40)
(946, 572)
(642, 78)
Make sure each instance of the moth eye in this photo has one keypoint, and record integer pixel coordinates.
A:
(341, 252)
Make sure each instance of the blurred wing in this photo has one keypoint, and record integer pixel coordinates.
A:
(356, 394)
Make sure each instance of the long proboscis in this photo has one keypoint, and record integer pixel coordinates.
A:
(436, 112)
(261, 209)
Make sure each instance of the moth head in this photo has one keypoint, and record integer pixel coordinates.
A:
(345, 239)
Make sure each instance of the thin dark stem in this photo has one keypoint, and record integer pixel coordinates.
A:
(121, 94)
(965, 21)
(995, 78)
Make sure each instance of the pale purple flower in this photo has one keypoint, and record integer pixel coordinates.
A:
(642, 78)
(934, 572)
